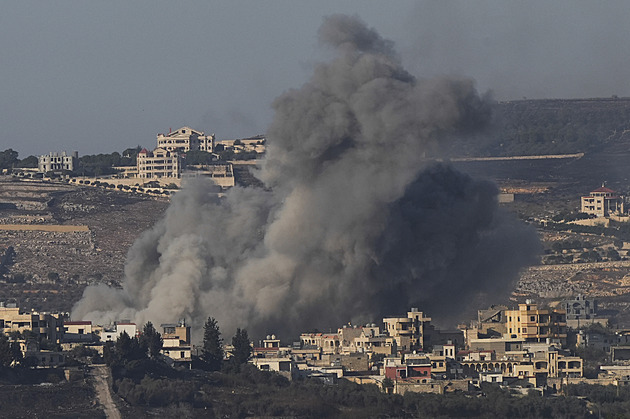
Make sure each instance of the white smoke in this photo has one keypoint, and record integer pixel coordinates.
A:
(354, 221)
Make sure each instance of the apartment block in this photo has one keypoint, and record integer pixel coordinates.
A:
(47, 325)
(186, 139)
(602, 202)
(56, 162)
(531, 324)
(158, 164)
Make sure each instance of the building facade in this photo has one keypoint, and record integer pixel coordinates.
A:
(177, 345)
(531, 324)
(56, 162)
(580, 308)
(410, 332)
(186, 139)
(602, 202)
(46, 325)
(158, 164)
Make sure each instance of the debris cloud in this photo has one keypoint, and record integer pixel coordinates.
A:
(355, 221)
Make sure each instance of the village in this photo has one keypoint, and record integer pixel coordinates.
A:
(523, 348)
(553, 333)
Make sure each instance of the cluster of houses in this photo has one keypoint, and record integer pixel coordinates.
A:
(60, 332)
(524, 347)
(167, 162)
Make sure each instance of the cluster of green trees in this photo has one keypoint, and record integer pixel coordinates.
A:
(530, 127)
(6, 260)
(568, 216)
(213, 356)
(249, 392)
(10, 353)
(142, 379)
(618, 230)
(127, 349)
(9, 160)
(149, 343)
(561, 245)
(606, 401)
(557, 126)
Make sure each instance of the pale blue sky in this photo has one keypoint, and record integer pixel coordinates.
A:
(101, 76)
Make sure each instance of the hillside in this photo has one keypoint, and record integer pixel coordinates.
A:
(552, 126)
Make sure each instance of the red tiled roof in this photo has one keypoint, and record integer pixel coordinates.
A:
(603, 189)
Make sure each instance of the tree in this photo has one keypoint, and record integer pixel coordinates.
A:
(242, 347)
(212, 344)
(8, 159)
(198, 157)
(128, 348)
(388, 385)
(30, 161)
(9, 351)
(151, 340)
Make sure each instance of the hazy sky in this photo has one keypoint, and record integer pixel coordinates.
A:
(101, 76)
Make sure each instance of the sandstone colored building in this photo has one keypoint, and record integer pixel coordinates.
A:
(602, 202)
(159, 164)
(46, 325)
(531, 324)
(186, 139)
(56, 162)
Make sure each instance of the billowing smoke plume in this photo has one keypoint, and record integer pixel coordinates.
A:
(354, 221)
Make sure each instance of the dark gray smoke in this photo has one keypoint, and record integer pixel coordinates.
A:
(354, 223)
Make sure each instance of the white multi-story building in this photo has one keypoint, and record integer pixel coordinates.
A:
(55, 162)
(603, 202)
(186, 139)
(159, 163)
(177, 346)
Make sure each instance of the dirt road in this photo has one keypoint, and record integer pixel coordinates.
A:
(100, 373)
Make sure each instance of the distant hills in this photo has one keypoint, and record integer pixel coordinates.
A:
(552, 126)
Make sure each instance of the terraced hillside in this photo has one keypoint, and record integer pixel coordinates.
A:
(66, 237)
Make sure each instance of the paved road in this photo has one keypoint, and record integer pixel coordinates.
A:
(100, 373)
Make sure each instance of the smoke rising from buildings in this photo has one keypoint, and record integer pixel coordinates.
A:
(355, 221)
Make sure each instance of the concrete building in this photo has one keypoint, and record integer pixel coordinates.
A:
(56, 162)
(580, 308)
(329, 343)
(531, 324)
(409, 331)
(186, 139)
(112, 333)
(550, 361)
(491, 322)
(46, 325)
(222, 174)
(159, 164)
(78, 332)
(284, 366)
(177, 346)
(255, 144)
(602, 202)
